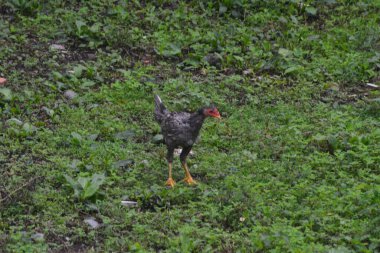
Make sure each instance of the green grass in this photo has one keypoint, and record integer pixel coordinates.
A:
(293, 166)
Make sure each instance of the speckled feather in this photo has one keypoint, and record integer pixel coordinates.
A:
(180, 129)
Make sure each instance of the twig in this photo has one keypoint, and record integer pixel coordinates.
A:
(372, 85)
(18, 189)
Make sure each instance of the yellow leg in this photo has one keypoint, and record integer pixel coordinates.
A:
(188, 178)
(170, 182)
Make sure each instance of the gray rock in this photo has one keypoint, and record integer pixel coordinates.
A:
(214, 59)
(37, 237)
(129, 203)
(70, 94)
(91, 56)
(57, 47)
(92, 222)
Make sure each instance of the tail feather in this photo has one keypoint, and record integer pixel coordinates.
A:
(160, 110)
(158, 101)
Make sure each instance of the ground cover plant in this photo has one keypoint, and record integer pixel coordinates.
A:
(292, 167)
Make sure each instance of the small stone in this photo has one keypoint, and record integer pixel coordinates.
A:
(129, 203)
(70, 94)
(91, 56)
(48, 111)
(38, 237)
(214, 59)
(233, 169)
(57, 47)
(92, 222)
(5, 93)
(92, 106)
(247, 72)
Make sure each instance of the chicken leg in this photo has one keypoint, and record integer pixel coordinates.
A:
(170, 182)
(188, 178)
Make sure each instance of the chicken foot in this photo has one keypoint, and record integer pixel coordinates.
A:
(170, 182)
(188, 178)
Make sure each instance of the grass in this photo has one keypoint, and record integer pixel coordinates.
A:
(292, 167)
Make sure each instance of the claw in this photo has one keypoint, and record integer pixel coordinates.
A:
(189, 180)
(170, 182)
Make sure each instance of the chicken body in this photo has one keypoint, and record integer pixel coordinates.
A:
(180, 129)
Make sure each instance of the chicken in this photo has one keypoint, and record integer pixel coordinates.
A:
(181, 129)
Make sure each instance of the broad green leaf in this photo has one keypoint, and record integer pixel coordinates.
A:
(73, 185)
(311, 10)
(319, 137)
(123, 163)
(57, 75)
(70, 180)
(76, 136)
(158, 138)
(78, 70)
(93, 186)
(95, 28)
(292, 69)
(79, 24)
(267, 46)
(6, 93)
(83, 182)
(87, 83)
(28, 128)
(171, 50)
(284, 52)
(239, 58)
(222, 9)
(125, 135)
(191, 62)
(294, 19)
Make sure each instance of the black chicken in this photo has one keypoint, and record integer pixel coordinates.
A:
(181, 129)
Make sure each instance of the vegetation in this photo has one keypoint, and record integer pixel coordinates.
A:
(292, 167)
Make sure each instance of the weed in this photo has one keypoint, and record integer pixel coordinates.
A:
(292, 165)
